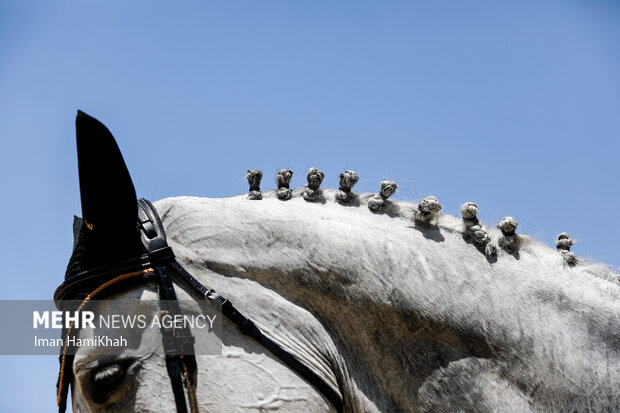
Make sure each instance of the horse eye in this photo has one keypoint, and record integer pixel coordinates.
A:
(106, 380)
(108, 375)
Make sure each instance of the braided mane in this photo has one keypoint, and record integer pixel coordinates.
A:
(445, 222)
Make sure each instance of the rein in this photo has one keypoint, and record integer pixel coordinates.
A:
(160, 264)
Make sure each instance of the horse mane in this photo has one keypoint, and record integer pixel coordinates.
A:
(403, 209)
(397, 209)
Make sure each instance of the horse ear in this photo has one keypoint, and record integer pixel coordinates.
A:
(108, 232)
(109, 203)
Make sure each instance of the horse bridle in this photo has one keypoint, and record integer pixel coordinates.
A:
(159, 264)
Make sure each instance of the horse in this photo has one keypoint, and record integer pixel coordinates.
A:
(391, 314)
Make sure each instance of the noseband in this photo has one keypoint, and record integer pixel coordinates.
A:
(159, 264)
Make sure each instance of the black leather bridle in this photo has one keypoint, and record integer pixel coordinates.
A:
(159, 264)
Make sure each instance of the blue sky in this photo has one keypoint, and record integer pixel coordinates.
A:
(513, 105)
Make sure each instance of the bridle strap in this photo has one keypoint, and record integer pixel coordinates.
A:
(248, 327)
(178, 343)
(174, 341)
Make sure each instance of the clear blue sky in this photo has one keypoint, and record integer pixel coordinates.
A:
(512, 105)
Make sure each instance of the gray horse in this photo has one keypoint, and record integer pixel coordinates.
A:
(394, 316)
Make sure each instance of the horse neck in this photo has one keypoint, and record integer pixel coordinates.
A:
(387, 291)
(326, 255)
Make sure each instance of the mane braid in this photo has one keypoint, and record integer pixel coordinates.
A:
(407, 209)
